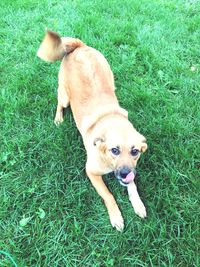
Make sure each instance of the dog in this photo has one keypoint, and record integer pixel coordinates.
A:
(86, 83)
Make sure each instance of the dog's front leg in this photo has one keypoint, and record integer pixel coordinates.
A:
(113, 210)
(136, 202)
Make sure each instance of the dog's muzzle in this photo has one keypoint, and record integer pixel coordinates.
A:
(125, 175)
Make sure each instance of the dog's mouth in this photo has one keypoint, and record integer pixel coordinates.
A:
(125, 177)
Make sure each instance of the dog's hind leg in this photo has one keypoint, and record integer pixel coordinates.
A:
(63, 102)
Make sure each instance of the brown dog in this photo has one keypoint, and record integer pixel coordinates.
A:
(86, 83)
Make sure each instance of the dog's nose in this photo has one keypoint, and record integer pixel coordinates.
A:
(124, 171)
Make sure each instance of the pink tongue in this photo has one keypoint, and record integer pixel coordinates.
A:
(129, 178)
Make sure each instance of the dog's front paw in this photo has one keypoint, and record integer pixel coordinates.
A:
(140, 209)
(117, 221)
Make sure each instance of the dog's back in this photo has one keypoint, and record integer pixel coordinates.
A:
(84, 75)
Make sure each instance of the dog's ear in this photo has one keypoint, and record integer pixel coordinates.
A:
(100, 143)
(144, 146)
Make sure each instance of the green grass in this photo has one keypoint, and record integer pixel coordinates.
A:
(153, 48)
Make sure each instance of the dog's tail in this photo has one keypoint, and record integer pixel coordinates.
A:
(54, 47)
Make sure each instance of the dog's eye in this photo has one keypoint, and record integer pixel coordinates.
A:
(115, 151)
(134, 152)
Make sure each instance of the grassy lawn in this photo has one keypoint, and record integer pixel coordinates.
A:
(50, 215)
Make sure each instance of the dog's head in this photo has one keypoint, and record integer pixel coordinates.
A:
(120, 147)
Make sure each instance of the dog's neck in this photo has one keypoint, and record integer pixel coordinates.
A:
(91, 121)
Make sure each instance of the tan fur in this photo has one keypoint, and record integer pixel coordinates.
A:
(86, 83)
